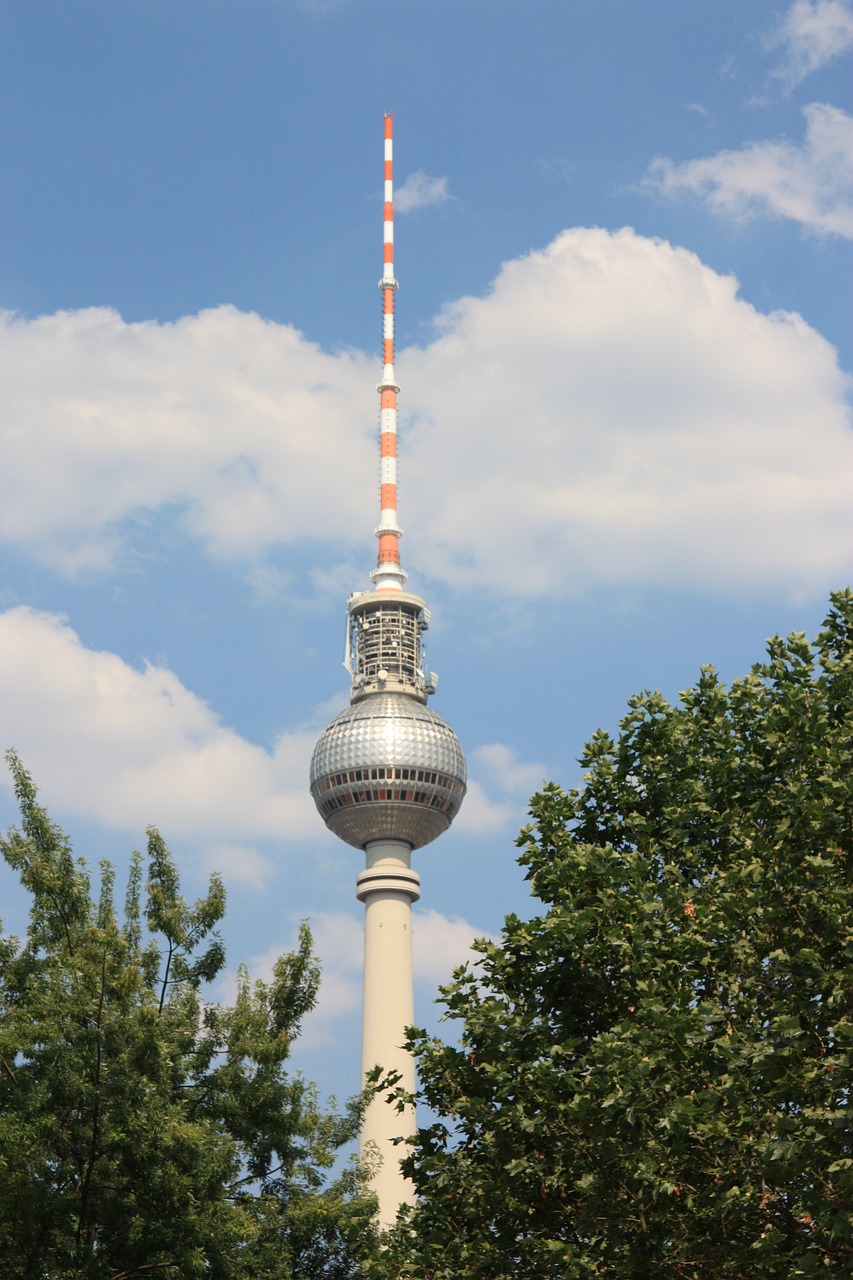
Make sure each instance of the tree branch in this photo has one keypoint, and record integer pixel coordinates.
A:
(96, 1117)
(165, 985)
(142, 1270)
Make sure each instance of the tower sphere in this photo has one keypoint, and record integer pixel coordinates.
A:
(388, 768)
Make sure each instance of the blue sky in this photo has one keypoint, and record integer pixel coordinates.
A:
(624, 345)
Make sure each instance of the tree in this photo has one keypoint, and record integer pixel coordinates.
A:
(145, 1131)
(654, 1073)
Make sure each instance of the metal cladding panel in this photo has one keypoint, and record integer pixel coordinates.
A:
(362, 823)
(388, 729)
(388, 768)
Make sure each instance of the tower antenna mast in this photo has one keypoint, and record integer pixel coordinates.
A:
(388, 574)
(388, 776)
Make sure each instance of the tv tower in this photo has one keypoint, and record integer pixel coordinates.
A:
(388, 775)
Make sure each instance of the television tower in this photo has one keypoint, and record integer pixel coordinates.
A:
(388, 775)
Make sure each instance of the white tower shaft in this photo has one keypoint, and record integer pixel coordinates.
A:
(387, 887)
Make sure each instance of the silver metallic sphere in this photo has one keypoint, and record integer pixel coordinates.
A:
(388, 768)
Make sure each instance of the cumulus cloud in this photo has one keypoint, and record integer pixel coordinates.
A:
(339, 945)
(499, 785)
(238, 864)
(418, 191)
(439, 945)
(222, 416)
(810, 183)
(627, 416)
(613, 412)
(810, 34)
(482, 813)
(507, 769)
(128, 748)
(338, 938)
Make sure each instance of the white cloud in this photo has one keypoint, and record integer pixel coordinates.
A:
(510, 773)
(238, 864)
(640, 422)
(439, 945)
(226, 417)
(811, 34)
(613, 412)
(418, 191)
(556, 167)
(499, 786)
(481, 814)
(128, 748)
(339, 945)
(811, 183)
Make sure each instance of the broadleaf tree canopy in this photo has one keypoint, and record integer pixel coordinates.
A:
(654, 1073)
(146, 1131)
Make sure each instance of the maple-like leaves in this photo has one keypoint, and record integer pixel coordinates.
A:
(654, 1074)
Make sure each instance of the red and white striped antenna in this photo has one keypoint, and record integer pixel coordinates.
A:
(388, 574)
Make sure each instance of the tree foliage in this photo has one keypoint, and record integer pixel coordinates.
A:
(145, 1131)
(654, 1074)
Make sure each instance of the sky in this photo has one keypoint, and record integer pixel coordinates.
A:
(624, 345)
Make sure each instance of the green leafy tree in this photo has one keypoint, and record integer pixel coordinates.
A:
(145, 1131)
(654, 1074)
